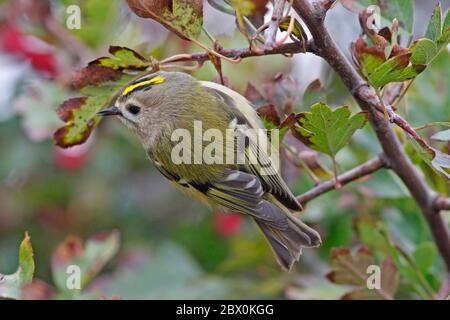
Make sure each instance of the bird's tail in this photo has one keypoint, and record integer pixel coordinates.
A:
(287, 243)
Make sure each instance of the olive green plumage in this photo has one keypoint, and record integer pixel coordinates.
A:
(155, 105)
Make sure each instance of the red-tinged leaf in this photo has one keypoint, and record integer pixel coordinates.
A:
(270, 114)
(183, 17)
(80, 114)
(94, 74)
(123, 59)
(379, 70)
(390, 277)
(99, 82)
(289, 121)
(350, 268)
(386, 33)
(360, 269)
(109, 69)
(66, 109)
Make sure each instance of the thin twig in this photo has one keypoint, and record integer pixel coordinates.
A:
(274, 23)
(242, 53)
(362, 170)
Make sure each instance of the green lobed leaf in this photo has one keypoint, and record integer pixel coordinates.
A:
(90, 258)
(434, 28)
(327, 130)
(11, 285)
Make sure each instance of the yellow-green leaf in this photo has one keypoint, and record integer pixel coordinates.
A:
(423, 51)
(434, 29)
(11, 285)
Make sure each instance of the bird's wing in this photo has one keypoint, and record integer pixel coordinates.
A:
(263, 167)
(238, 191)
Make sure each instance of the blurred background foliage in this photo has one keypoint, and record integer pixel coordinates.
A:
(165, 245)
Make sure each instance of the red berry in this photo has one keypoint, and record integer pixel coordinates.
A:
(227, 224)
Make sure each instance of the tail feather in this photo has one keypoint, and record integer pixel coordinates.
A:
(287, 244)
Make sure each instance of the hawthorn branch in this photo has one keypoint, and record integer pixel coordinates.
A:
(356, 173)
(288, 48)
(313, 14)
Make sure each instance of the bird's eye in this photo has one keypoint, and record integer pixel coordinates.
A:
(134, 109)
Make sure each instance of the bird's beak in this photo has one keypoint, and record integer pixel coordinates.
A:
(111, 111)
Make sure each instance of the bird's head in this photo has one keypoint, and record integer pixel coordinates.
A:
(150, 102)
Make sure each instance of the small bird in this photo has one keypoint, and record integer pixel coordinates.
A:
(155, 105)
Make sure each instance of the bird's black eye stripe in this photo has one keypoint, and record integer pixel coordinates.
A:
(134, 109)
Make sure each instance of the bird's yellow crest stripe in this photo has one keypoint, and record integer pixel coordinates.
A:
(132, 87)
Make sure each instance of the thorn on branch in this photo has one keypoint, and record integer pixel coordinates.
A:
(442, 203)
